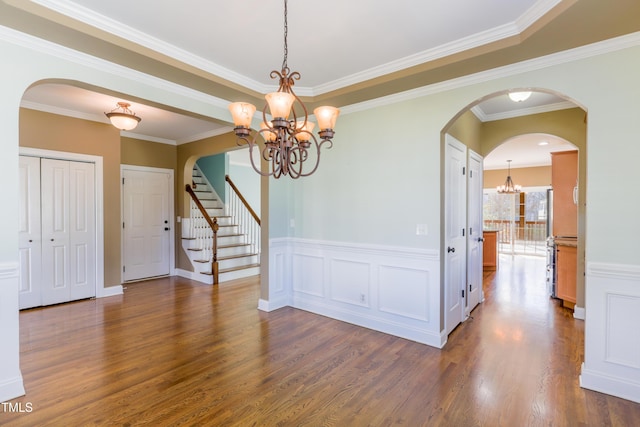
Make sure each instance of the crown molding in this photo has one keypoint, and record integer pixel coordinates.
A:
(44, 46)
(83, 14)
(63, 111)
(583, 52)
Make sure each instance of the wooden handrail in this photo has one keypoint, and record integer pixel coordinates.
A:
(242, 199)
(213, 223)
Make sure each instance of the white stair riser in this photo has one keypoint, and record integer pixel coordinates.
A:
(209, 204)
(238, 274)
(235, 250)
(230, 240)
(228, 230)
(237, 262)
(223, 220)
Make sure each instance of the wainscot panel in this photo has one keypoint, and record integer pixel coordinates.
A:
(612, 344)
(388, 289)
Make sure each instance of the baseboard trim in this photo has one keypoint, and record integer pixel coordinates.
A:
(607, 384)
(110, 291)
(192, 275)
(272, 305)
(412, 333)
(579, 313)
(12, 388)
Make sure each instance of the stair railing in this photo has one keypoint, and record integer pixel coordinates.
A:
(204, 227)
(247, 219)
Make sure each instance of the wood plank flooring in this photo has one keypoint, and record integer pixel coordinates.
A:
(175, 352)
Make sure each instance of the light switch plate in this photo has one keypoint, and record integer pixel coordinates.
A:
(421, 230)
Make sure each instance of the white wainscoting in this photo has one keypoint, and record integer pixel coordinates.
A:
(612, 341)
(11, 385)
(388, 289)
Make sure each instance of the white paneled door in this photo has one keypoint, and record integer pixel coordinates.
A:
(29, 235)
(146, 224)
(474, 235)
(455, 241)
(67, 235)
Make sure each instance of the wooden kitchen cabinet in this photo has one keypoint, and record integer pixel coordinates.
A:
(564, 179)
(566, 264)
(490, 250)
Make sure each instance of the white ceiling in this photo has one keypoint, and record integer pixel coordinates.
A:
(333, 44)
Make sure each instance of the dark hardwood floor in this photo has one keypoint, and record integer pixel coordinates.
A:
(175, 352)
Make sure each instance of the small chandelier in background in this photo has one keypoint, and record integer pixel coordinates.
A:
(122, 117)
(509, 187)
(288, 139)
(519, 96)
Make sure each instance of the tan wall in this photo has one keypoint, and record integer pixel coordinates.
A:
(468, 129)
(59, 133)
(149, 154)
(526, 177)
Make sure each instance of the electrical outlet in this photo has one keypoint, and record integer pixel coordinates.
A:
(292, 223)
(421, 229)
(363, 298)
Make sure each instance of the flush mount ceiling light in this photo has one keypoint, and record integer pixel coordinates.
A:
(519, 96)
(122, 117)
(509, 187)
(288, 140)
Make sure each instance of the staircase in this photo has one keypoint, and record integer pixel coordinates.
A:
(238, 256)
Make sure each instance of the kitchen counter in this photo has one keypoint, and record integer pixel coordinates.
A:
(567, 241)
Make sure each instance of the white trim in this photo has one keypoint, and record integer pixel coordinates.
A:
(618, 43)
(368, 285)
(194, 275)
(104, 23)
(171, 201)
(9, 270)
(480, 114)
(615, 386)
(584, 52)
(613, 271)
(11, 388)
(579, 313)
(99, 193)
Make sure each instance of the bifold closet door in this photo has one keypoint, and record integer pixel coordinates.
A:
(29, 234)
(68, 230)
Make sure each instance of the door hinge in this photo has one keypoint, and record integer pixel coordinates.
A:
(463, 232)
(470, 287)
(122, 181)
(470, 231)
(464, 170)
(470, 174)
(123, 225)
(124, 268)
(463, 293)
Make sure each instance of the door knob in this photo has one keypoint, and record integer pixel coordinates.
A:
(450, 249)
(480, 239)
(166, 229)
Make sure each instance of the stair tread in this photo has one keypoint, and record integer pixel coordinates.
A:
(235, 256)
(237, 245)
(228, 270)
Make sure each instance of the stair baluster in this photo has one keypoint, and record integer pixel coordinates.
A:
(204, 229)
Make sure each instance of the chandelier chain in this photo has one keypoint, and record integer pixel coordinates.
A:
(286, 31)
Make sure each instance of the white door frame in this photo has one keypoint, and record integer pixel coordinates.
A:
(101, 291)
(172, 222)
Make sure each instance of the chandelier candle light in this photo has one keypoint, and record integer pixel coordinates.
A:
(122, 117)
(288, 139)
(509, 187)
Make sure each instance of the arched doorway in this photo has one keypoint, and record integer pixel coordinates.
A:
(481, 128)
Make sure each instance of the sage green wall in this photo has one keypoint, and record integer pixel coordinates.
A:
(215, 168)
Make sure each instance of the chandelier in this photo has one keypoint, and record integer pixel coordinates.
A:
(509, 187)
(122, 117)
(286, 141)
